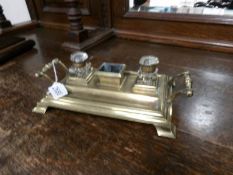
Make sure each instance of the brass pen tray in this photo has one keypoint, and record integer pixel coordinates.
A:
(112, 91)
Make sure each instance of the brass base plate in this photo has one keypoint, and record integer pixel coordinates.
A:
(124, 103)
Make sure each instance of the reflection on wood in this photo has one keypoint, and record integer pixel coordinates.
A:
(211, 7)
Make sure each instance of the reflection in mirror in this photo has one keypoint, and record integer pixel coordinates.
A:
(205, 7)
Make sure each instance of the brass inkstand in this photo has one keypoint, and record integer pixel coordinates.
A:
(112, 91)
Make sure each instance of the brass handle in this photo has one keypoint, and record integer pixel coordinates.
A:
(48, 66)
(188, 84)
(188, 91)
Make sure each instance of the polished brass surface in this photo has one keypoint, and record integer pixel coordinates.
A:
(114, 92)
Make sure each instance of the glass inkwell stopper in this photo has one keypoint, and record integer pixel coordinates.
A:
(148, 69)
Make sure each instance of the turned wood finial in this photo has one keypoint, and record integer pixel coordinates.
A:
(74, 15)
(80, 38)
(3, 21)
(75, 18)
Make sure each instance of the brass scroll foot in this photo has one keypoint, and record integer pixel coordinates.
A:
(40, 108)
(169, 132)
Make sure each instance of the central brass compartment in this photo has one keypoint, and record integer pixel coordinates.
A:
(111, 74)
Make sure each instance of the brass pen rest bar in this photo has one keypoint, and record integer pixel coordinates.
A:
(111, 91)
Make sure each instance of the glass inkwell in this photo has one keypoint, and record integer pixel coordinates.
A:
(81, 65)
(147, 73)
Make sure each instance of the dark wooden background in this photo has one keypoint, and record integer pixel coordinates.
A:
(196, 31)
(52, 13)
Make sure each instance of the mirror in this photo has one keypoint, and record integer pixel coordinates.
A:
(201, 7)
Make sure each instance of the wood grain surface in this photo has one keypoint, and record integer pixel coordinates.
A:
(63, 142)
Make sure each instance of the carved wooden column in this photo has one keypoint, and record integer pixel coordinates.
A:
(80, 38)
(3, 21)
(76, 31)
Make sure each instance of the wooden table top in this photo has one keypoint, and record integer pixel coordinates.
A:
(64, 142)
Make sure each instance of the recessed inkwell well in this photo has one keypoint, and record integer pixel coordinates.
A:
(111, 74)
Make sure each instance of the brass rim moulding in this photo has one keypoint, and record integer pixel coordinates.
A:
(111, 91)
(148, 69)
